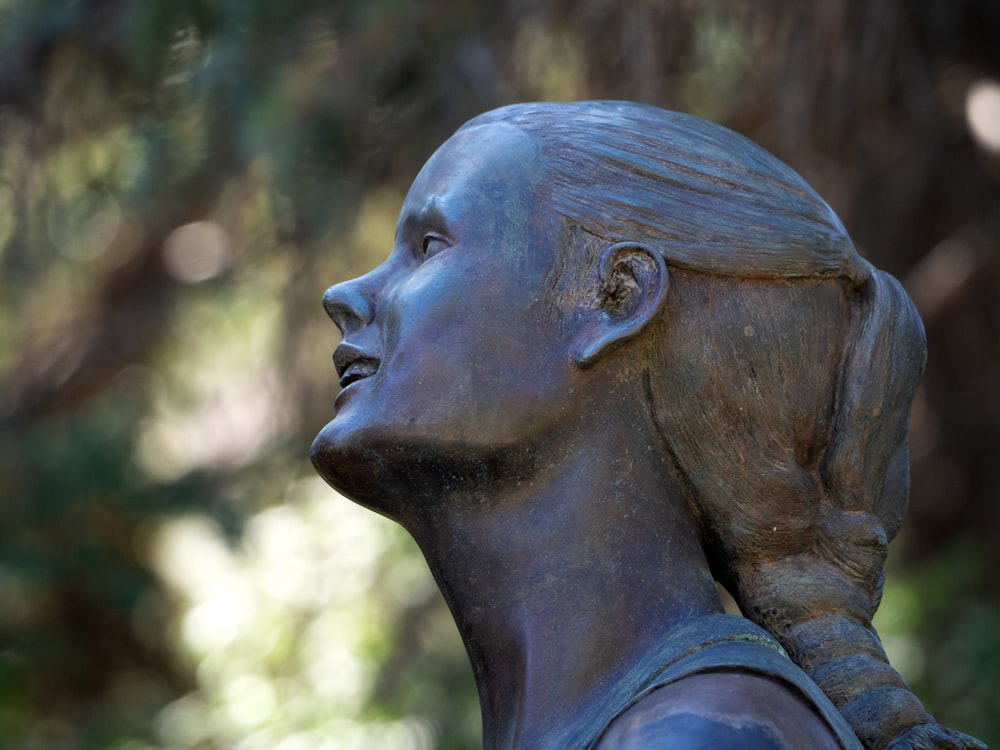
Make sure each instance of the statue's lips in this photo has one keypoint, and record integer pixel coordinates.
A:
(357, 371)
(353, 363)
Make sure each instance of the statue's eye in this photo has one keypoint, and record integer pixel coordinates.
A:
(434, 244)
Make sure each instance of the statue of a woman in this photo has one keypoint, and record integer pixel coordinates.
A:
(615, 355)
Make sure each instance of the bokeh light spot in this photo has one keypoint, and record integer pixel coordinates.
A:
(196, 252)
(982, 112)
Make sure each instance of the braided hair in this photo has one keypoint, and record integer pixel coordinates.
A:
(786, 412)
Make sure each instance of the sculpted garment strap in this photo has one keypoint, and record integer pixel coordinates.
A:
(721, 643)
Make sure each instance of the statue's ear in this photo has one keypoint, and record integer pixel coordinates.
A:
(633, 286)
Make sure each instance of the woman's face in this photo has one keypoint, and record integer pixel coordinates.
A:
(454, 347)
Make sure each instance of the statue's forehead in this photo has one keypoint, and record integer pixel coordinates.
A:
(491, 161)
(482, 150)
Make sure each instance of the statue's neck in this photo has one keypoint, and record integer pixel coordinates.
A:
(566, 580)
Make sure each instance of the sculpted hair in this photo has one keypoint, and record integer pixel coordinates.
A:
(783, 406)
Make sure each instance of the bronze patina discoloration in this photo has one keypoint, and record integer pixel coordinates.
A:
(615, 355)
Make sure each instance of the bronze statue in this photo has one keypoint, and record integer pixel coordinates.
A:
(617, 354)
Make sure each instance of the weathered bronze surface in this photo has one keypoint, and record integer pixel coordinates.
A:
(617, 354)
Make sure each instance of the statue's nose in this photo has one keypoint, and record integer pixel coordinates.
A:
(349, 306)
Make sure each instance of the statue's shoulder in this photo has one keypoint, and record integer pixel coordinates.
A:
(721, 710)
(727, 684)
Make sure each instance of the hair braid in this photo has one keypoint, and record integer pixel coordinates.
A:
(819, 601)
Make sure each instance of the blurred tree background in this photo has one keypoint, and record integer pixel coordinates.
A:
(179, 182)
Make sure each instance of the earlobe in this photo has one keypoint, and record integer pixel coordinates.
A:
(633, 287)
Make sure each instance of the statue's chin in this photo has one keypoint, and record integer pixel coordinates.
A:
(399, 473)
(349, 468)
(374, 468)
